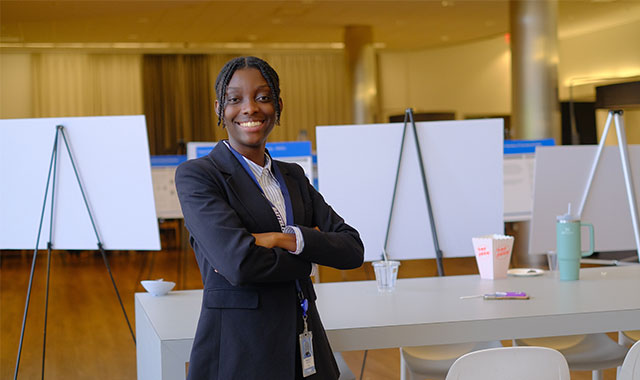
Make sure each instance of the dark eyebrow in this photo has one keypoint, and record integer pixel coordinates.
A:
(238, 88)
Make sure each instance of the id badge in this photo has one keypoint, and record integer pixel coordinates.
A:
(306, 354)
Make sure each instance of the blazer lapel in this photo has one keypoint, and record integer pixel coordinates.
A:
(294, 193)
(247, 191)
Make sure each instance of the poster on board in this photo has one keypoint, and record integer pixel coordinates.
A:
(163, 173)
(519, 157)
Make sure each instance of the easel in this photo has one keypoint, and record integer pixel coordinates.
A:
(626, 169)
(408, 118)
(52, 177)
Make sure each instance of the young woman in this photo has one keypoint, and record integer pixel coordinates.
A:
(256, 227)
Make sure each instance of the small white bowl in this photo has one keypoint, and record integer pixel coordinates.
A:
(158, 287)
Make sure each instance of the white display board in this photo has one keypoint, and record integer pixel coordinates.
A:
(112, 158)
(518, 187)
(519, 160)
(165, 193)
(561, 175)
(197, 149)
(463, 161)
(163, 172)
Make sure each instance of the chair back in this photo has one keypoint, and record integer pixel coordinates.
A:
(506, 363)
(630, 369)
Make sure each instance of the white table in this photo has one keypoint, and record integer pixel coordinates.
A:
(420, 311)
(165, 327)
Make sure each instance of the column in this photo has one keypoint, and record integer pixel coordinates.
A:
(362, 72)
(535, 111)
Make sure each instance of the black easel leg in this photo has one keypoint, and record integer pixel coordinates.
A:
(364, 361)
(60, 128)
(106, 263)
(434, 234)
(26, 309)
(46, 307)
(35, 251)
(408, 119)
(49, 247)
(439, 265)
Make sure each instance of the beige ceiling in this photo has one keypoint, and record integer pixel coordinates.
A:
(398, 24)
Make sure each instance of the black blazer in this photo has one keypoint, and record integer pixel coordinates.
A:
(250, 317)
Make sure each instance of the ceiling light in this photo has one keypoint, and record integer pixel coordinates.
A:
(178, 46)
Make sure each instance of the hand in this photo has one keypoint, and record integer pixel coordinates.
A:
(276, 239)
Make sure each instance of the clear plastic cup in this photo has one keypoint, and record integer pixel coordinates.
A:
(552, 261)
(386, 274)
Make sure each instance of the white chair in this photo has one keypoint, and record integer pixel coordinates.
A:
(591, 352)
(507, 363)
(630, 369)
(433, 362)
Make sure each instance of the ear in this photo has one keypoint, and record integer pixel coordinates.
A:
(280, 102)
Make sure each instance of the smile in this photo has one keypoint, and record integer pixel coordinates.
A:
(250, 124)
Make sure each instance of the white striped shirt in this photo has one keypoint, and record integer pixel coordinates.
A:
(270, 186)
(271, 189)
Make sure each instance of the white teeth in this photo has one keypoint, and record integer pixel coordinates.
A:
(250, 124)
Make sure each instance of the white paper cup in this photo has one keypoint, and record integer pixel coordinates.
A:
(386, 274)
(493, 254)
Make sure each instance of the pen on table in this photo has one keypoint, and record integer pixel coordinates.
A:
(475, 296)
(497, 294)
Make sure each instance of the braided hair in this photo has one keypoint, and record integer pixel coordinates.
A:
(227, 71)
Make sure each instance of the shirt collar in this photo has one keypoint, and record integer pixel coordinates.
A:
(254, 167)
(258, 168)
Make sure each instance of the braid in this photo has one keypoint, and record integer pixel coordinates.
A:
(222, 81)
(273, 81)
(227, 71)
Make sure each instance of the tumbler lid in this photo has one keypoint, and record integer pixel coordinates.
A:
(566, 218)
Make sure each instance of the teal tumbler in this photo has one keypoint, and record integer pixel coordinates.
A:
(568, 241)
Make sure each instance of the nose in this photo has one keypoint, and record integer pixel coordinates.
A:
(249, 106)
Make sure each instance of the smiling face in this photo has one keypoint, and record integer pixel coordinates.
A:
(249, 113)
